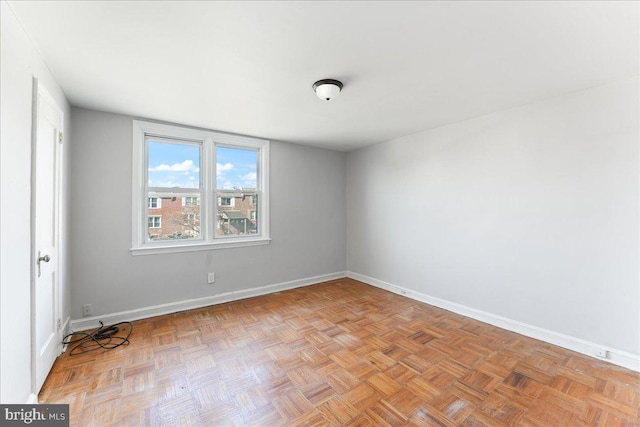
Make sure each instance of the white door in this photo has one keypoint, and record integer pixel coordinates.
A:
(45, 207)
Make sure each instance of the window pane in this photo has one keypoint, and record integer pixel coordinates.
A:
(173, 165)
(175, 218)
(236, 168)
(237, 213)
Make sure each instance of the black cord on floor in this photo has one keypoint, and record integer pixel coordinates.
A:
(104, 337)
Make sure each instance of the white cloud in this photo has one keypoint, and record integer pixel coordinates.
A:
(186, 166)
(220, 168)
(166, 184)
(251, 176)
(249, 180)
(227, 186)
(174, 184)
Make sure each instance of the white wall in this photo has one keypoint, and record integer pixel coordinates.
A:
(531, 214)
(307, 226)
(19, 63)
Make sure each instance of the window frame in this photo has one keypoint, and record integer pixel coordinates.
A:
(208, 140)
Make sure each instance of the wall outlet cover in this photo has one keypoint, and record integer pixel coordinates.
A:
(601, 353)
(87, 310)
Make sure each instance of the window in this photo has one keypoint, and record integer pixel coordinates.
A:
(155, 202)
(190, 201)
(211, 189)
(155, 222)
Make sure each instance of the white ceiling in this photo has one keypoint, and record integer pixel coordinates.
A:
(248, 67)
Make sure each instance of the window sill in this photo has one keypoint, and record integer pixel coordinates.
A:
(154, 249)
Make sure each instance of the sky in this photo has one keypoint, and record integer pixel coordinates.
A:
(178, 165)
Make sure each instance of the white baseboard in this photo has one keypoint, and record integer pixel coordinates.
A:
(33, 399)
(157, 310)
(617, 357)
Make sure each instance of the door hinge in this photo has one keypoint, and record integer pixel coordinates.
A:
(59, 324)
(60, 137)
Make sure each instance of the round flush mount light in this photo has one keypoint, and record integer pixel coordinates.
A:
(326, 89)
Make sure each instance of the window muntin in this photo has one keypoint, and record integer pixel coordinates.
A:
(198, 178)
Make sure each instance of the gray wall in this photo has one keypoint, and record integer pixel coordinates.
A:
(19, 65)
(531, 214)
(307, 226)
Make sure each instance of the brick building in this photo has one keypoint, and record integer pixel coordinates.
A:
(237, 214)
(179, 217)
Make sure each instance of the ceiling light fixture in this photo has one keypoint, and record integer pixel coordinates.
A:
(327, 88)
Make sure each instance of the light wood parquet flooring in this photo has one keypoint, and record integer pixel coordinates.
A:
(339, 353)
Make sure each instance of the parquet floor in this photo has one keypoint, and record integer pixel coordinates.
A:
(339, 353)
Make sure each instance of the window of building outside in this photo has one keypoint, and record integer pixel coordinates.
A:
(190, 201)
(197, 190)
(155, 222)
(154, 202)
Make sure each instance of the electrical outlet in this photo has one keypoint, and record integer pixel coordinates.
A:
(87, 310)
(211, 278)
(601, 353)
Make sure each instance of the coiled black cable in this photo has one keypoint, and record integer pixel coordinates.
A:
(104, 337)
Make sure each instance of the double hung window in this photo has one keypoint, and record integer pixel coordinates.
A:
(197, 190)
